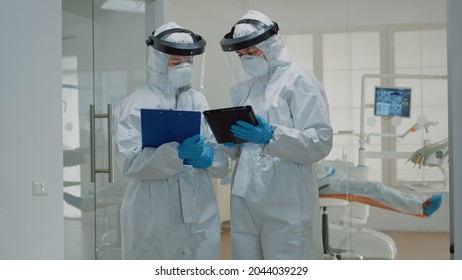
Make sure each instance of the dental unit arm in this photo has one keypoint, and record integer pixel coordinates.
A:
(422, 122)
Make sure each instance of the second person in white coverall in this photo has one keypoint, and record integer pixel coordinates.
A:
(169, 209)
(275, 210)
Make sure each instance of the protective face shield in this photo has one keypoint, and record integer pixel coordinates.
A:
(179, 47)
(241, 46)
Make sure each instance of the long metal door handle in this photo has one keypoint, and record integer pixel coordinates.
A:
(92, 143)
(110, 163)
(93, 169)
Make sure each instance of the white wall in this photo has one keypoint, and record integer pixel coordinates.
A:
(31, 227)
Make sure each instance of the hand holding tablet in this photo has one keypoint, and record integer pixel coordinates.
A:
(221, 120)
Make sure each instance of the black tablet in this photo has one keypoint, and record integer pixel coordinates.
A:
(221, 120)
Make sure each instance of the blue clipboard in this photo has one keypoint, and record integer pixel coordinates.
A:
(160, 126)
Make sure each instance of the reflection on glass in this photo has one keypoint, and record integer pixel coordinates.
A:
(98, 35)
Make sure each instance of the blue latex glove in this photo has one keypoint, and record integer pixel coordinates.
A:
(432, 204)
(205, 160)
(260, 134)
(191, 147)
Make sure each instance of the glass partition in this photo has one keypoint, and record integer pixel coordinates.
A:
(103, 61)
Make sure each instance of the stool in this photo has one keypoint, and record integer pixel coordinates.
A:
(336, 254)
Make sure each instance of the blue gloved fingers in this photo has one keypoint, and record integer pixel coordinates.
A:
(191, 151)
(191, 139)
(246, 125)
(191, 147)
(240, 135)
(205, 160)
(201, 140)
(260, 134)
(239, 130)
(267, 134)
(266, 131)
(189, 154)
(243, 130)
(250, 135)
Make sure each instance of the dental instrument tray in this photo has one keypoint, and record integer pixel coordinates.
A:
(160, 126)
(221, 120)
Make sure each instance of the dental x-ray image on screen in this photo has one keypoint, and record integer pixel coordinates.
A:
(392, 101)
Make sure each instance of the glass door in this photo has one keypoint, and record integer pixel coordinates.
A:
(103, 61)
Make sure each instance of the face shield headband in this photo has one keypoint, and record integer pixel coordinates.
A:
(229, 44)
(183, 49)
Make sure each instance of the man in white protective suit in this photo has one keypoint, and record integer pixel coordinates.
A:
(275, 210)
(169, 209)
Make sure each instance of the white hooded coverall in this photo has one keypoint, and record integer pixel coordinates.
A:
(169, 210)
(275, 211)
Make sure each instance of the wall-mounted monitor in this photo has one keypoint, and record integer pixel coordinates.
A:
(392, 101)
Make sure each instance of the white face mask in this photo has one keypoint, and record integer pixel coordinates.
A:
(180, 75)
(254, 65)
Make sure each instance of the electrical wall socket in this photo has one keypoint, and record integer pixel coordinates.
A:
(39, 188)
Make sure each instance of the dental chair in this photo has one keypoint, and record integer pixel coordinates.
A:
(351, 235)
(347, 225)
(334, 253)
